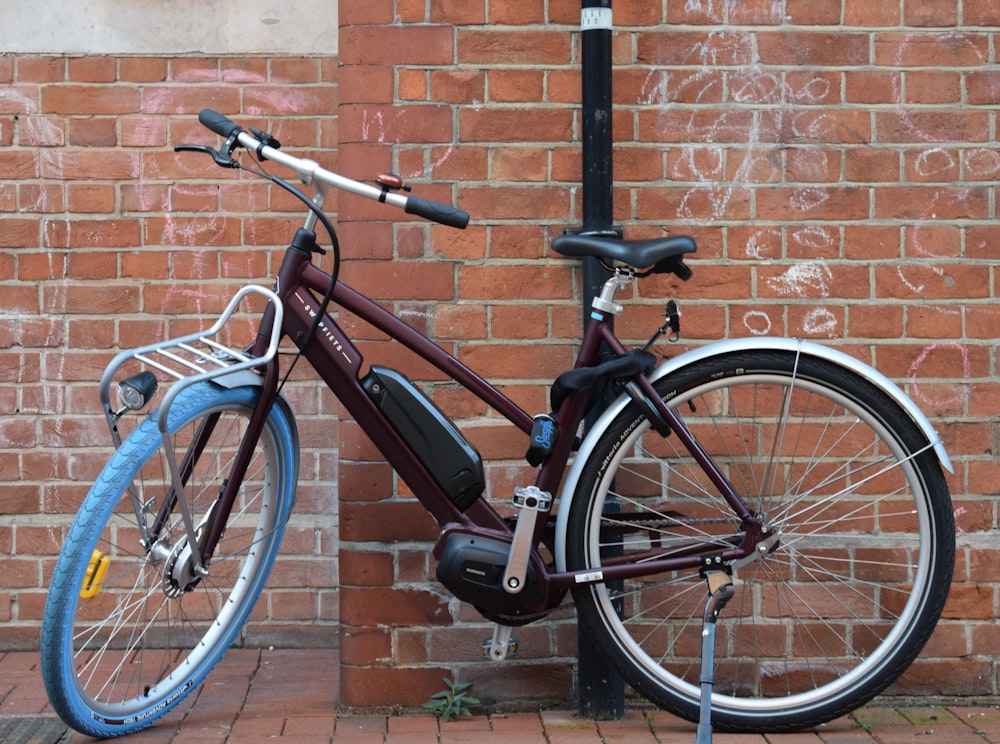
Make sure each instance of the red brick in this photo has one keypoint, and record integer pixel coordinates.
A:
(458, 86)
(814, 48)
(41, 69)
(300, 101)
(387, 521)
(93, 69)
(414, 124)
(503, 361)
(142, 69)
(513, 47)
(669, 48)
(981, 13)
(393, 607)
(934, 86)
(374, 12)
(696, 14)
(360, 646)
(90, 198)
(907, 126)
(514, 283)
(19, 164)
(931, 202)
(189, 99)
(363, 568)
(43, 198)
(460, 322)
(89, 164)
(85, 233)
(369, 686)
(804, 13)
(520, 203)
(90, 99)
(488, 125)
(409, 45)
(933, 49)
(868, 13)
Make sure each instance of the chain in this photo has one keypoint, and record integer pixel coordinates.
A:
(679, 522)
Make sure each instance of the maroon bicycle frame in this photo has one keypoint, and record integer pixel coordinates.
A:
(341, 365)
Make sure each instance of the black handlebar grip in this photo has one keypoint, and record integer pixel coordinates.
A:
(436, 212)
(218, 123)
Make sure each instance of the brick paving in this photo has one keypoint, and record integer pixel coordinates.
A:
(291, 697)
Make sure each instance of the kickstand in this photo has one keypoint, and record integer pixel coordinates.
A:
(720, 591)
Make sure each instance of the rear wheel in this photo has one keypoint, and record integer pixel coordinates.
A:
(848, 589)
(130, 628)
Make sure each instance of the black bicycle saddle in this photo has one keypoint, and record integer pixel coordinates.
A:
(663, 254)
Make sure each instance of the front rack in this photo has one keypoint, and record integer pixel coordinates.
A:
(191, 359)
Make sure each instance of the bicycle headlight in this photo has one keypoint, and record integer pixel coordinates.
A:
(137, 390)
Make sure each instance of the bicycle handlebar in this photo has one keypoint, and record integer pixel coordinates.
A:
(309, 171)
(218, 123)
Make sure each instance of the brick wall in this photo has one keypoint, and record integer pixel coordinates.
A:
(110, 240)
(836, 162)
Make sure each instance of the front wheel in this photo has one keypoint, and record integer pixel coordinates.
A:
(130, 629)
(851, 583)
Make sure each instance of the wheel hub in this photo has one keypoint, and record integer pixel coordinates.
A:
(179, 573)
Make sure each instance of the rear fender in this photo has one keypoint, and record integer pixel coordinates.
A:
(763, 343)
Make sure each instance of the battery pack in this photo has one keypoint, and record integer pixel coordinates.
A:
(439, 445)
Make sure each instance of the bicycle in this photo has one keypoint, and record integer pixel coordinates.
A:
(797, 476)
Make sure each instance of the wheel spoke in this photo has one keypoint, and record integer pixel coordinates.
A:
(134, 644)
(858, 554)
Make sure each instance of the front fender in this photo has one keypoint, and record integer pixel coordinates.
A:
(763, 343)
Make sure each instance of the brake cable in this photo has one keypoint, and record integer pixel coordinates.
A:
(334, 246)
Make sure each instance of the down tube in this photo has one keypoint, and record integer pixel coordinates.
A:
(429, 351)
(339, 363)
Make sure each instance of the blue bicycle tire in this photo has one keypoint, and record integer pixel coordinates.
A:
(91, 645)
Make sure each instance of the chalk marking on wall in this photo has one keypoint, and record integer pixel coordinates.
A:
(934, 161)
(429, 171)
(814, 236)
(963, 383)
(808, 278)
(39, 131)
(808, 199)
(958, 512)
(764, 244)
(982, 163)
(820, 322)
(376, 121)
(16, 102)
(757, 322)
(952, 39)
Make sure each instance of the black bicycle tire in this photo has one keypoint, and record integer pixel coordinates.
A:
(730, 713)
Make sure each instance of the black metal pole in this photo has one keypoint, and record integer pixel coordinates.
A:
(601, 690)
(598, 173)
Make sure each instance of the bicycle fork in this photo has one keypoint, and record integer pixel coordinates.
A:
(188, 566)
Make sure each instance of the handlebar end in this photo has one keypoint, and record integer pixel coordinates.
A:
(443, 214)
(218, 123)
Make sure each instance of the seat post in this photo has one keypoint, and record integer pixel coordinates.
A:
(605, 301)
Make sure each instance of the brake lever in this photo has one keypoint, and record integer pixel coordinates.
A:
(223, 158)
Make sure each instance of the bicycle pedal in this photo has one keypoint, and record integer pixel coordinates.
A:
(499, 653)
